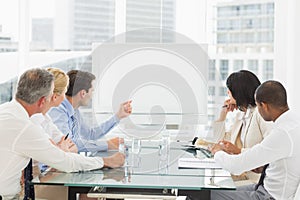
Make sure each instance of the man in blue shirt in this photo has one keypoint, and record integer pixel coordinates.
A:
(68, 119)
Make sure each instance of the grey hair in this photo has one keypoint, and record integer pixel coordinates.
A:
(34, 84)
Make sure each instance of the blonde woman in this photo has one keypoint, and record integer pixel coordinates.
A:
(61, 81)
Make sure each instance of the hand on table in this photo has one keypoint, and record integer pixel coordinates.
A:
(226, 146)
(215, 148)
(67, 145)
(116, 160)
(229, 147)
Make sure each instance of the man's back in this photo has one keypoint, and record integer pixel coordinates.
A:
(12, 125)
(283, 175)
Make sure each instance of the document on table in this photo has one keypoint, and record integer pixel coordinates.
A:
(198, 163)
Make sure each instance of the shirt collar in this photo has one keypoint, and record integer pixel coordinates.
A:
(283, 117)
(248, 113)
(38, 118)
(21, 109)
(69, 108)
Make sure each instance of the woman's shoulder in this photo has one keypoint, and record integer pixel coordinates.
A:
(261, 122)
(256, 114)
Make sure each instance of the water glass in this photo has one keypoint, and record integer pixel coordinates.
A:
(164, 147)
(163, 167)
(136, 146)
(124, 144)
(135, 160)
(121, 144)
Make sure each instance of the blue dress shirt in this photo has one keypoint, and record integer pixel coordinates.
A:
(87, 137)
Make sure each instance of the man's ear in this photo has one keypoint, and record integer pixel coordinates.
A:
(264, 106)
(41, 101)
(82, 93)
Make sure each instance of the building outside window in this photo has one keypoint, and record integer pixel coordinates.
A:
(211, 91)
(267, 69)
(253, 66)
(237, 65)
(223, 69)
(222, 91)
(212, 70)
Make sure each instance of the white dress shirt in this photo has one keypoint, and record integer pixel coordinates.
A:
(281, 149)
(50, 128)
(20, 140)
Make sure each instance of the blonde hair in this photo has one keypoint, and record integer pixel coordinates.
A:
(61, 80)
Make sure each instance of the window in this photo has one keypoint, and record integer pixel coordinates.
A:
(265, 37)
(70, 25)
(267, 69)
(235, 38)
(9, 28)
(222, 38)
(267, 23)
(211, 90)
(155, 14)
(222, 91)
(233, 30)
(212, 70)
(223, 69)
(6, 90)
(253, 66)
(211, 117)
(237, 65)
(269, 8)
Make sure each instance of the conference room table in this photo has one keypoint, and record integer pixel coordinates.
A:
(144, 175)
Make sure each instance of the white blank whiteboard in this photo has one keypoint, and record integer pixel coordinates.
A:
(167, 80)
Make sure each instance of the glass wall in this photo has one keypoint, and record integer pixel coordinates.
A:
(62, 33)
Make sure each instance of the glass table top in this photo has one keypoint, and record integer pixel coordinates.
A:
(146, 169)
(121, 178)
(148, 161)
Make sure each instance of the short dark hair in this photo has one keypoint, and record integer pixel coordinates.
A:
(271, 92)
(79, 80)
(34, 84)
(242, 85)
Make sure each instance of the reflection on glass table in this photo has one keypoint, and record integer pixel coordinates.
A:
(148, 170)
(149, 161)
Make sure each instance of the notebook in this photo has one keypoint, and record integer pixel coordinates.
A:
(195, 163)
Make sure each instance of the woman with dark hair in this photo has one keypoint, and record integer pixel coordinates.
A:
(249, 128)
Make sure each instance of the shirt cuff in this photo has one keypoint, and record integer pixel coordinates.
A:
(102, 144)
(244, 149)
(100, 161)
(218, 157)
(115, 119)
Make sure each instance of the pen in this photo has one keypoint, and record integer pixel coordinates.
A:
(66, 136)
(194, 140)
(224, 106)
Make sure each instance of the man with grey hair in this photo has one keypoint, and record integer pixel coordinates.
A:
(20, 139)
